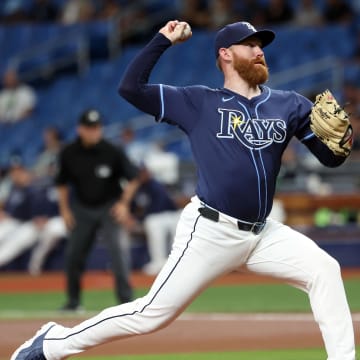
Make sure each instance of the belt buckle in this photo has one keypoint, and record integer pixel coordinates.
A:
(257, 227)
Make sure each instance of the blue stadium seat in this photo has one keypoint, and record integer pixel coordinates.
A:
(16, 38)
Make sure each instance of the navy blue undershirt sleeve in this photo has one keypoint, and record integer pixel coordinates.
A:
(323, 153)
(134, 85)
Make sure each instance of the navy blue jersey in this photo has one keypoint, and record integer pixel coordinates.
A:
(44, 199)
(237, 143)
(18, 203)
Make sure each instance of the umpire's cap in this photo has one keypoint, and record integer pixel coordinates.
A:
(237, 32)
(91, 117)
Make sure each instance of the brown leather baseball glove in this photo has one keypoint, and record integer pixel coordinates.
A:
(331, 124)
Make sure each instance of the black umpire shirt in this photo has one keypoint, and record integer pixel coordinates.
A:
(94, 173)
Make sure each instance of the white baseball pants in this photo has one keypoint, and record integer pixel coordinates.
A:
(7, 226)
(204, 250)
(22, 237)
(54, 230)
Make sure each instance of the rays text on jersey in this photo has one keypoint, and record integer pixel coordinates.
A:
(253, 133)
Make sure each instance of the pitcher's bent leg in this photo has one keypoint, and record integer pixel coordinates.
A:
(197, 258)
(293, 257)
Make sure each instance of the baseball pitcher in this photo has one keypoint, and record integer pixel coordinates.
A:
(238, 134)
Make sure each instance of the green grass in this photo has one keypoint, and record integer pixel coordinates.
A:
(235, 298)
(298, 354)
(263, 298)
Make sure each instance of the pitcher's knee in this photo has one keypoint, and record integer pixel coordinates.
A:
(156, 320)
(328, 266)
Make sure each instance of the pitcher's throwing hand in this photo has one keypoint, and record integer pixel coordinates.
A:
(176, 31)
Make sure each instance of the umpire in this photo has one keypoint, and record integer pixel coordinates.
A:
(91, 198)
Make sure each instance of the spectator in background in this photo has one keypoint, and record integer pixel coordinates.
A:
(17, 100)
(17, 232)
(77, 11)
(52, 232)
(163, 165)
(221, 12)
(94, 170)
(135, 149)
(337, 11)
(251, 10)
(308, 14)
(13, 11)
(5, 184)
(30, 217)
(15, 203)
(48, 156)
(50, 225)
(42, 11)
(108, 9)
(278, 12)
(157, 211)
(134, 14)
(195, 12)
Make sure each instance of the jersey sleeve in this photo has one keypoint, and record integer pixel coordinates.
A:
(303, 107)
(167, 103)
(180, 105)
(134, 85)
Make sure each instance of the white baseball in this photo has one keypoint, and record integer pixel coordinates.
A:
(186, 33)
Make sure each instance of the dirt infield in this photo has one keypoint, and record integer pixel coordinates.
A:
(189, 333)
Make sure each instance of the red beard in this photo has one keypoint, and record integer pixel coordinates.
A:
(254, 72)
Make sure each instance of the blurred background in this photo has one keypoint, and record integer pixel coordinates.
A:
(65, 56)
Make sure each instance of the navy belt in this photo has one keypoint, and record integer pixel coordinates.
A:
(214, 215)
